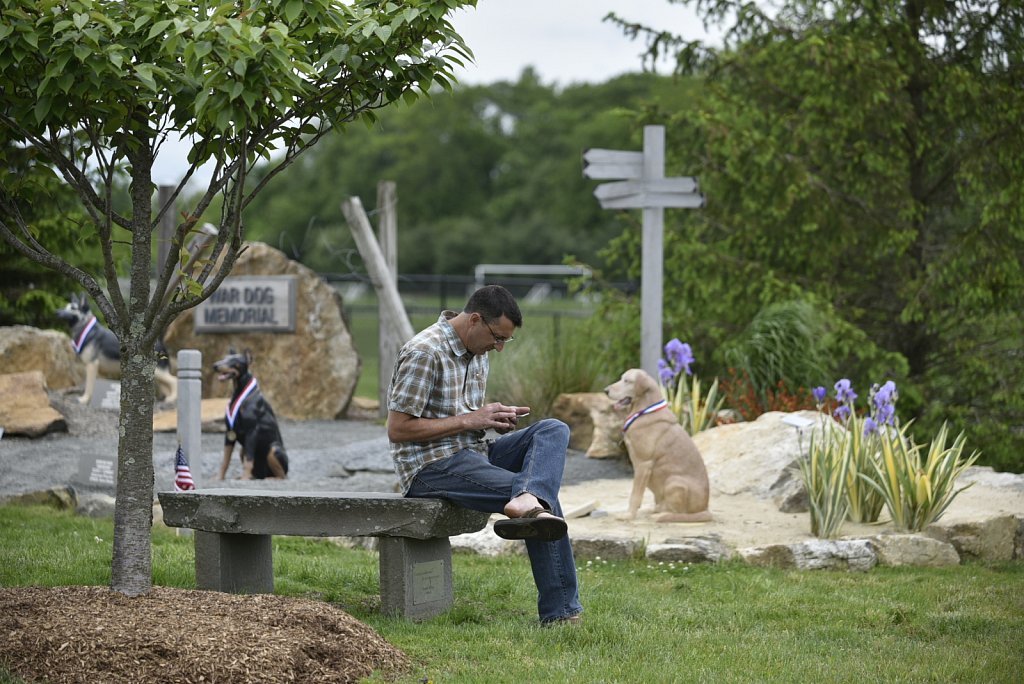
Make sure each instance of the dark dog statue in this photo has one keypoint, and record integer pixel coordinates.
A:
(251, 422)
(100, 350)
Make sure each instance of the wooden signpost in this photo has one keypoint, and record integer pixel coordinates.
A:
(641, 184)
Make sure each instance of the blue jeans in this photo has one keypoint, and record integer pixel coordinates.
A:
(528, 460)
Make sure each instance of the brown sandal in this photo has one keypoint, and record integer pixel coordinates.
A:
(531, 526)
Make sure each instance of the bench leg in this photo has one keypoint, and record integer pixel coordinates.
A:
(234, 563)
(415, 576)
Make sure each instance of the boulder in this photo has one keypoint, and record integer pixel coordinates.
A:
(702, 549)
(600, 548)
(818, 554)
(25, 406)
(24, 348)
(61, 498)
(992, 539)
(759, 457)
(96, 505)
(594, 425)
(309, 374)
(485, 543)
(913, 549)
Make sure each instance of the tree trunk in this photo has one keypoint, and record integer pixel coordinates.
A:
(131, 570)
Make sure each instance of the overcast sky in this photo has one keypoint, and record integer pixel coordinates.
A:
(565, 41)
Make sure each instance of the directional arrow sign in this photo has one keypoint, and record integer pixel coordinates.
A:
(654, 200)
(602, 164)
(682, 184)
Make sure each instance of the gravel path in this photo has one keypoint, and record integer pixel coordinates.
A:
(340, 455)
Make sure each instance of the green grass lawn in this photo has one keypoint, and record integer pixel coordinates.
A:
(644, 621)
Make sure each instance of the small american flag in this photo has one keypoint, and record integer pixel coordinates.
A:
(182, 475)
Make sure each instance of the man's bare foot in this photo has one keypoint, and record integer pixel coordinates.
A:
(526, 503)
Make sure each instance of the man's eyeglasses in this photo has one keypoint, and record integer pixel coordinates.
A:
(497, 338)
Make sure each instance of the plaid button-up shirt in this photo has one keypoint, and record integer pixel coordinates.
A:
(435, 376)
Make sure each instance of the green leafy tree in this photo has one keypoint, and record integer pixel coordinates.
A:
(30, 292)
(94, 87)
(870, 155)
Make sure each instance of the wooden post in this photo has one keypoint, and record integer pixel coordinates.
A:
(643, 185)
(380, 276)
(652, 256)
(387, 234)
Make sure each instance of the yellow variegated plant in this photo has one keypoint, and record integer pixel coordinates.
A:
(824, 473)
(917, 492)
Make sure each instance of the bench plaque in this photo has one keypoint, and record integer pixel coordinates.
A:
(427, 582)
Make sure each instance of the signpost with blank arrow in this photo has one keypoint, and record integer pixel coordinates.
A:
(640, 183)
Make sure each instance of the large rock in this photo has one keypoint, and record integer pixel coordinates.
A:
(818, 554)
(993, 539)
(308, 374)
(759, 457)
(916, 550)
(24, 348)
(701, 549)
(594, 425)
(25, 406)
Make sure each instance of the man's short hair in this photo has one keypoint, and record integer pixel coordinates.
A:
(492, 302)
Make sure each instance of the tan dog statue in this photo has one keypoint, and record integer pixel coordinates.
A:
(665, 459)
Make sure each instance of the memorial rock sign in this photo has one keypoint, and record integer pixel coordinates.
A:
(249, 303)
(641, 184)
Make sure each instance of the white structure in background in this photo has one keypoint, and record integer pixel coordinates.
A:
(540, 291)
(641, 184)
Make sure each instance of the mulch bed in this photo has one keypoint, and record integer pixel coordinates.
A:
(93, 634)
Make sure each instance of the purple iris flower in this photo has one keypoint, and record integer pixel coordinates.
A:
(665, 372)
(842, 412)
(886, 394)
(844, 392)
(870, 426)
(884, 401)
(819, 394)
(680, 354)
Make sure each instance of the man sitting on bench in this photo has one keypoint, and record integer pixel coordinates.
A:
(436, 425)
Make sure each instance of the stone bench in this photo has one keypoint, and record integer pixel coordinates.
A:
(234, 529)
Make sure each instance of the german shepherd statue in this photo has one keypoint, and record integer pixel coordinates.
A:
(100, 350)
(251, 422)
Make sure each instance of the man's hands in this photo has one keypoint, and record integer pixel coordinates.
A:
(508, 417)
(494, 416)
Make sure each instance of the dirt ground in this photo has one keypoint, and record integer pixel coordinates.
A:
(91, 634)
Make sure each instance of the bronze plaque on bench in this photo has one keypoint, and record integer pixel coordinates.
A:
(427, 582)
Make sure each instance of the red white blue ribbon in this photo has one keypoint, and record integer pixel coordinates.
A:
(643, 412)
(234, 406)
(79, 342)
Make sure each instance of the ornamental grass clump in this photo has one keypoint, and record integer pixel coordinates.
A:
(694, 410)
(824, 471)
(917, 493)
(858, 465)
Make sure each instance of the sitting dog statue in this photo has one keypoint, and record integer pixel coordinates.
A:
(251, 422)
(665, 459)
(100, 350)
